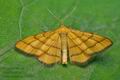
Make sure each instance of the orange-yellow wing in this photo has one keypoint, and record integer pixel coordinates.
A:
(46, 47)
(82, 45)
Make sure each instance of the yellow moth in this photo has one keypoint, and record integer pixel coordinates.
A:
(62, 44)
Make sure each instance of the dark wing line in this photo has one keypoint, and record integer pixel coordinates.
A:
(83, 51)
(35, 36)
(91, 36)
(40, 41)
(48, 50)
(45, 42)
(46, 39)
(39, 49)
(88, 48)
(74, 43)
(81, 39)
(84, 35)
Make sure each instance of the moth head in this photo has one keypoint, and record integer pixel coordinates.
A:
(63, 29)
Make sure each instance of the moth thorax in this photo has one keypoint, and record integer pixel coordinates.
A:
(63, 29)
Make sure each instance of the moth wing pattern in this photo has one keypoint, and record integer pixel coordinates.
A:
(43, 46)
(83, 45)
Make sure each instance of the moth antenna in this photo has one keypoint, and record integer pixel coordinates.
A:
(60, 21)
(70, 13)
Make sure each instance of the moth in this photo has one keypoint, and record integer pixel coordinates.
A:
(64, 44)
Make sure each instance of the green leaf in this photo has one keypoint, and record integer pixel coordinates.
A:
(19, 19)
